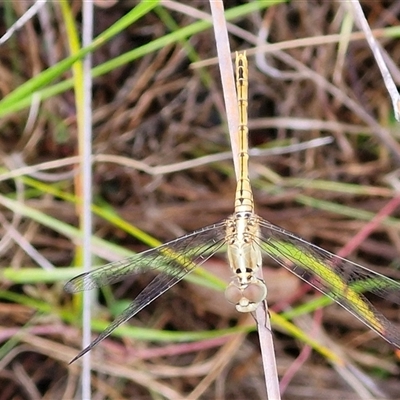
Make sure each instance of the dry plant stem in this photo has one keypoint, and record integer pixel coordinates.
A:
(294, 367)
(26, 381)
(87, 179)
(30, 13)
(180, 348)
(267, 351)
(34, 171)
(293, 44)
(377, 50)
(261, 314)
(25, 244)
(64, 354)
(388, 209)
(304, 354)
(382, 133)
(5, 240)
(343, 45)
(362, 385)
(307, 73)
(195, 13)
(222, 358)
(21, 168)
(227, 78)
(261, 58)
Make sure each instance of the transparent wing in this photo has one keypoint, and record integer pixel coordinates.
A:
(174, 259)
(340, 279)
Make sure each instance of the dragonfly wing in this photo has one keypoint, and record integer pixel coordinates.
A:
(340, 279)
(159, 285)
(174, 259)
(196, 246)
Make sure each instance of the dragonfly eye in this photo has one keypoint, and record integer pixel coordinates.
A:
(233, 293)
(246, 297)
(255, 291)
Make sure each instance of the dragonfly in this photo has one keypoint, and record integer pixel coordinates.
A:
(247, 238)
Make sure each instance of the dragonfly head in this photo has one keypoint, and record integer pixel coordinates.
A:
(246, 295)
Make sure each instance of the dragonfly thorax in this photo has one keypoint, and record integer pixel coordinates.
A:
(246, 291)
